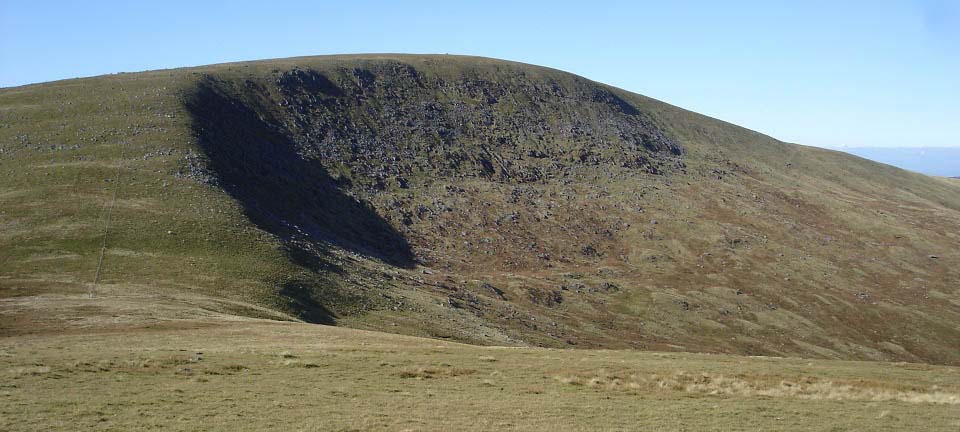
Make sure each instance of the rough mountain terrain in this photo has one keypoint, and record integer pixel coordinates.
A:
(455, 197)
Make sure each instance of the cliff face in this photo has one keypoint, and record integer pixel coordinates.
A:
(496, 202)
(304, 149)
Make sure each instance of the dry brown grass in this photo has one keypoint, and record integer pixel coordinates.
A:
(809, 388)
(257, 375)
(434, 372)
(29, 370)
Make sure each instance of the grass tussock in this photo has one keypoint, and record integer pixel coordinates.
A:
(722, 385)
(435, 372)
(235, 368)
(131, 365)
(30, 371)
(306, 364)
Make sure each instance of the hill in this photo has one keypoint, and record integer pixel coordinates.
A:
(456, 197)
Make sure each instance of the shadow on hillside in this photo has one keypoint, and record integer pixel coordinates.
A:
(256, 161)
(306, 304)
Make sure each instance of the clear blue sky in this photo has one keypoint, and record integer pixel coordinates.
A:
(826, 73)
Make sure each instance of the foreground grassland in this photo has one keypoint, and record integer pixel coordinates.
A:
(259, 375)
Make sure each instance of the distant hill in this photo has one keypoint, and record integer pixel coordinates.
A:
(938, 161)
(466, 198)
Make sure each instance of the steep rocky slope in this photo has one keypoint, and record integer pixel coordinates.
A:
(468, 198)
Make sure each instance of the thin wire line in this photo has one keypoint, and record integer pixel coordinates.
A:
(106, 225)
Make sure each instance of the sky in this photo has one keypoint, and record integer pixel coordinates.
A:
(824, 73)
(937, 161)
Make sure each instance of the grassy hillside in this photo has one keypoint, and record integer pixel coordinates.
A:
(467, 198)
